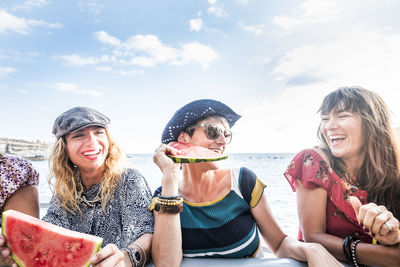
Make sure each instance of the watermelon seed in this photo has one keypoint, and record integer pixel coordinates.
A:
(36, 259)
(29, 237)
(44, 253)
(68, 246)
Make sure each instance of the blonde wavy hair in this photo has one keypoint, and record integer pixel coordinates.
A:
(62, 174)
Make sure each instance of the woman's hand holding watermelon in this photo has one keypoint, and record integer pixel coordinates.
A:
(110, 255)
(5, 259)
(169, 169)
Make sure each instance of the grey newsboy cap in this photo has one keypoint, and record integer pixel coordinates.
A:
(193, 112)
(77, 118)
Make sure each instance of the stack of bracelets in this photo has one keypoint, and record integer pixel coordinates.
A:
(349, 249)
(168, 204)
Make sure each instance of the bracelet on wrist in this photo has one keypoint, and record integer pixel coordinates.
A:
(353, 252)
(170, 206)
(169, 197)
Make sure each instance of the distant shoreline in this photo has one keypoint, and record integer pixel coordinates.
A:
(32, 150)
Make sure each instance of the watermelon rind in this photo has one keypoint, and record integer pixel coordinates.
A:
(19, 262)
(3, 232)
(179, 159)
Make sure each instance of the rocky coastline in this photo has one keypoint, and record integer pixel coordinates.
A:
(28, 149)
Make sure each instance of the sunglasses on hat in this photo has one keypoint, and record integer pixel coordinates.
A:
(213, 132)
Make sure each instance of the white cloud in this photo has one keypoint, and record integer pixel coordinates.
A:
(194, 52)
(9, 22)
(92, 6)
(24, 92)
(358, 56)
(30, 4)
(76, 60)
(255, 29)
(41, 22)
(105, 38)
(6, 70)
(74, 89)
(364, 58)
(217, 11)
(145, 51)
(312, 11)
(196, 24)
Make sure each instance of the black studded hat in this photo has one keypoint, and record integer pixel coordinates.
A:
(194, 111)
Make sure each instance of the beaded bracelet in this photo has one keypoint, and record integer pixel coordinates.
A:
(353, 252)
(169, 197)
(168, 206)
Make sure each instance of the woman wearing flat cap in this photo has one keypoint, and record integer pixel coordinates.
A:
(218, 211)
(95, 193)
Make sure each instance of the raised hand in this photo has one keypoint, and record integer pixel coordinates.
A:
(377, 221)
(161, 159)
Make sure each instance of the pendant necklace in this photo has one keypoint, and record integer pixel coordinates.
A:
(81, 195)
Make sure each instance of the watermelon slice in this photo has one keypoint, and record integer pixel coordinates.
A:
(37, 243)
(193, 154)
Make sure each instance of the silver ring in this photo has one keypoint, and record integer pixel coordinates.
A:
(378, 210)
(388, 226)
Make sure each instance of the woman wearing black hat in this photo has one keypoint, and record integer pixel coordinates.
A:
(213, 212)
(94, 191)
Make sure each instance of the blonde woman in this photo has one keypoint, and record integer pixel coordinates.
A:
(95, 193)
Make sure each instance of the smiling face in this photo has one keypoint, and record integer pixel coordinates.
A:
(88, 148)
(343, 132)
(200, 138)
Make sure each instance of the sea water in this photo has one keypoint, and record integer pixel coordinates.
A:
(268, 167)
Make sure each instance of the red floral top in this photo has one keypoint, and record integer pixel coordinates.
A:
(309, 169)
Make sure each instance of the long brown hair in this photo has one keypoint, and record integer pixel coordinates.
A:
(63, 172)
(379, 174)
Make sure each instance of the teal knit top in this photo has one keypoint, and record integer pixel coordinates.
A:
(224, 227)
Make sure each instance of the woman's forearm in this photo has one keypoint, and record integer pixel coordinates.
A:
(167, 240)
(369, 254)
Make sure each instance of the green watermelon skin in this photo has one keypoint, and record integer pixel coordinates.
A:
(194, 154)
(37, 243)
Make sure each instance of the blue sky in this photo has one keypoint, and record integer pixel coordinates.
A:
(139, 61)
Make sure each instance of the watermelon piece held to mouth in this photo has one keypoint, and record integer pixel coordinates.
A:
(193, 154)
(35, 243)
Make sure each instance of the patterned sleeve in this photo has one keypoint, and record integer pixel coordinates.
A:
(309, 169)
(250, 187)
(56, 214)
(136, 218)
(15, 172)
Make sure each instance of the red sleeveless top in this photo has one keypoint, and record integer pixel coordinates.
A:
(309, 169)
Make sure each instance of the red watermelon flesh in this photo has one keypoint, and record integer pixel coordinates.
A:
(190, 153)
(37, 243)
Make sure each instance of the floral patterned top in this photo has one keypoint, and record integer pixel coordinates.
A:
(125, 219)
(309, 169)
(15, 172)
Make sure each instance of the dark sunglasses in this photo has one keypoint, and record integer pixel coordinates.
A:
(213, 132)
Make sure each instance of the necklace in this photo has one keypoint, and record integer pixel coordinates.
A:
(81, 195)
